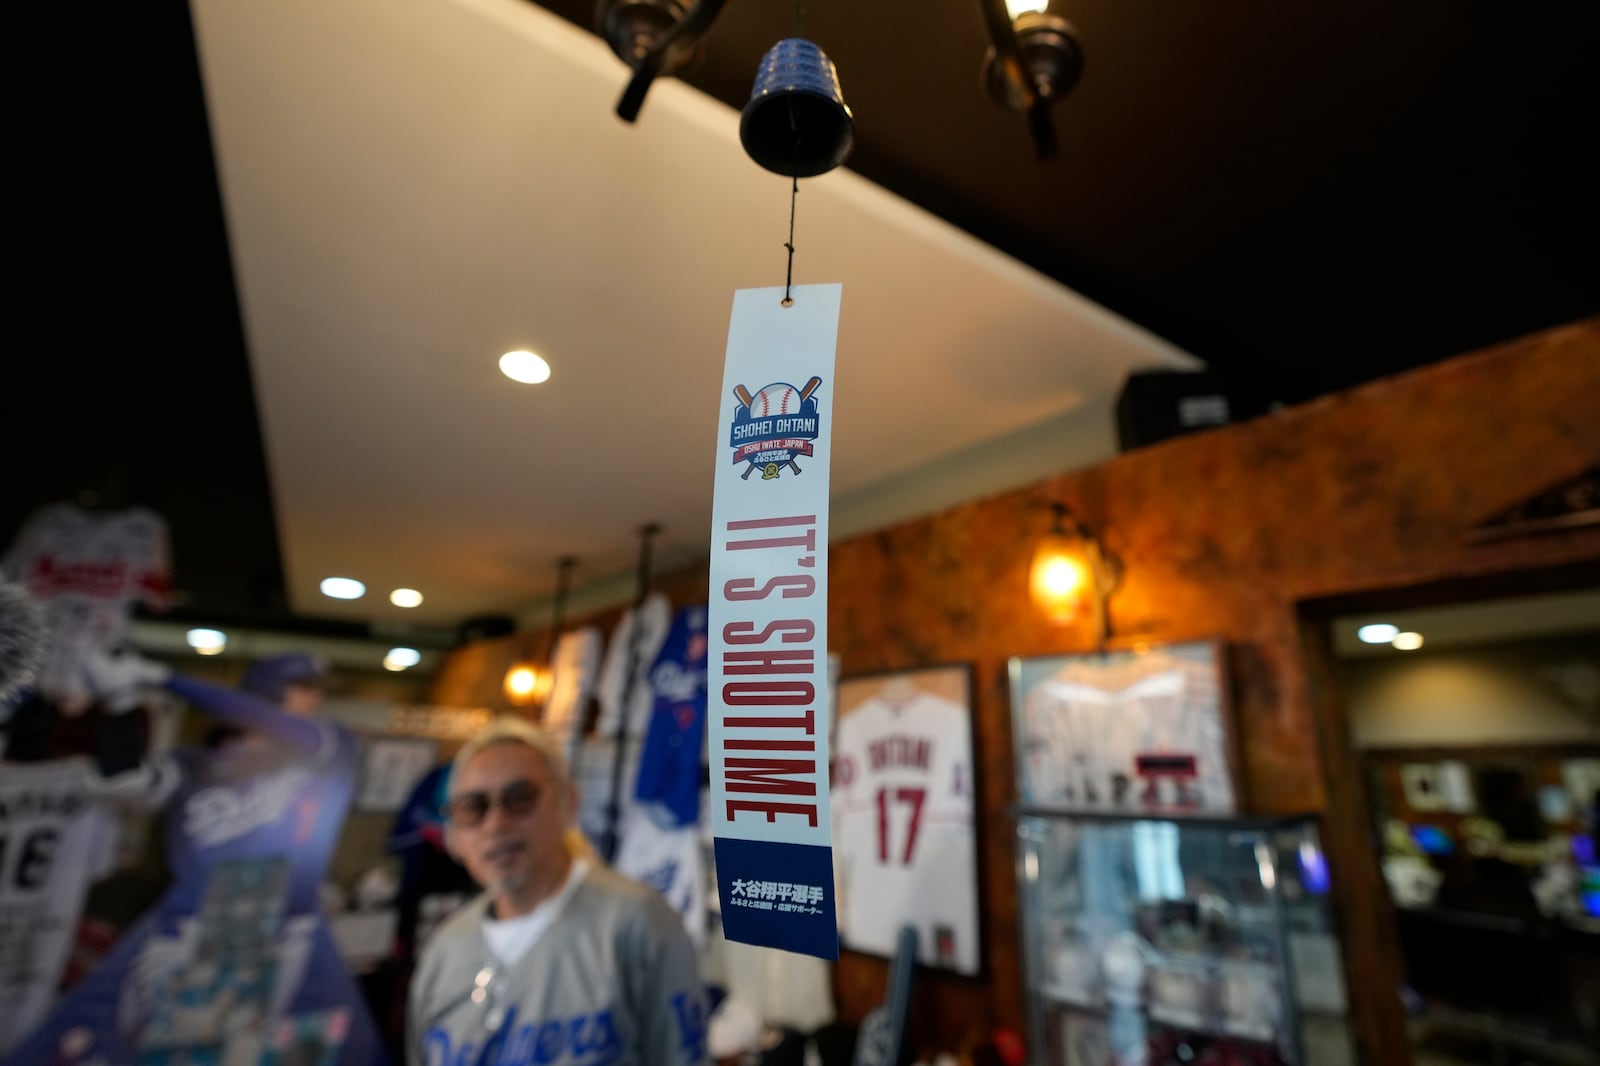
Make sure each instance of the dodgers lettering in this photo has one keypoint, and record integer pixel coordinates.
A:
(581, 1040)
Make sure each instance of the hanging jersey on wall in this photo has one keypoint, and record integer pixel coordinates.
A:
(635, 642)
(87, 571)
(576, 660)
(53, 842)
(902, 803)
(674, 745)
(1130, 733)
(667, 857)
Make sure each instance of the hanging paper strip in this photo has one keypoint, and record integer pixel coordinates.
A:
(767, 668)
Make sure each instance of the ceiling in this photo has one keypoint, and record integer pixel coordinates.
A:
(1476, 624)
(296, 366)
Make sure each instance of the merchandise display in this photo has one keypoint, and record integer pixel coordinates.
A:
(1167, 941)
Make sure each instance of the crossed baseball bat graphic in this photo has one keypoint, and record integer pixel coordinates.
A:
(745, 398)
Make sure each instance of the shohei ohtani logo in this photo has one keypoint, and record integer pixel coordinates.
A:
(774, 426)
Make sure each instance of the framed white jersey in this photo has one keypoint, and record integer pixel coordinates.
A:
(1136, 731)
(903, 798)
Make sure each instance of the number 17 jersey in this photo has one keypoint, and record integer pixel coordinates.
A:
(902, 804)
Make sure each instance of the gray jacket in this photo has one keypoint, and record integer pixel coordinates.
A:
(614, 982)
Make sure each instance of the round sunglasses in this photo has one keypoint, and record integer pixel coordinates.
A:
(469, 809)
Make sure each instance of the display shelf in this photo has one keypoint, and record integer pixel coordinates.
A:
(1138, 930)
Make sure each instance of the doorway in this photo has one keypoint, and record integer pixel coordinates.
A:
(1461, 734)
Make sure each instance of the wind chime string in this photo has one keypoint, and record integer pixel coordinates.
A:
(794, 180)
(788, 281)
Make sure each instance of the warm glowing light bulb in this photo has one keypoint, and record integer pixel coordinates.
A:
(1018, 8)
(406, 598)
(1060, 581)
(525, 367)
(521, 682)
(1062, 576)
(1407, 641)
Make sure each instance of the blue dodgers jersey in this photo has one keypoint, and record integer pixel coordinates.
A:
(669, 765)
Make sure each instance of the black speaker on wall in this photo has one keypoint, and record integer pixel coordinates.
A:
(1156, 405)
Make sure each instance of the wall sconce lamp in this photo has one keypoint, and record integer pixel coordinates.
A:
(528, 683)
(655, 38)
(1034, 60)
(1072, 574)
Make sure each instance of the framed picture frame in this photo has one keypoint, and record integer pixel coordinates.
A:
(1142, 730)
(390, 769)
(904, 804)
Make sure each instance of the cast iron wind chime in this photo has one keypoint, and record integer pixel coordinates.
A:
(796, 123)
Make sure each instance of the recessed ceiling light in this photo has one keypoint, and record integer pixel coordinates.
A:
(1378, 633)
(406, 598)
(401, 658)
(343, 588)
(207, 641)
(1407, 641)
(525, 367)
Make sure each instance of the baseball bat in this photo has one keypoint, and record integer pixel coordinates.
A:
(743, 394)
(811, 386)
(748, 471)
(794, 466)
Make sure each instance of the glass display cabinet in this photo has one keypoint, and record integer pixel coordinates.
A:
(1150, 941)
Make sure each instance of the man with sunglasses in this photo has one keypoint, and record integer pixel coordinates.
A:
(560, 961)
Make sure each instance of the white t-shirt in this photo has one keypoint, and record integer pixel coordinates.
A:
(902, 803)
(510, 939)
(53, 842)
(87, 571)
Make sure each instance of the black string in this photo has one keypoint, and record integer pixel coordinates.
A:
(794, 194)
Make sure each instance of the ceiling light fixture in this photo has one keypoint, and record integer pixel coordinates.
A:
(1407, 641)
(655, 38)
(207, 641)
(1377, 633)
(1033, 62)
(525, 367)
(343, 588)
(406, 598)
(401, 658)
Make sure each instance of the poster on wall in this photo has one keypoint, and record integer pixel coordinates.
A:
(390, 769)
(768, 627)
(1140, 731)
(903, 802)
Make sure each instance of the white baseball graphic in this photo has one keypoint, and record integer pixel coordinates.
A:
(775, 400)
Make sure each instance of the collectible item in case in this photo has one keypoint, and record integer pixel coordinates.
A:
(902, 800)
(1137, 731)
(1176, 941)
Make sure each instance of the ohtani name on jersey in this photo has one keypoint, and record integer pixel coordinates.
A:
(768, 698)
(912, 752)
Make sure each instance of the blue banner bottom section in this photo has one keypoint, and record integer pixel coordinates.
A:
(778, 896)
